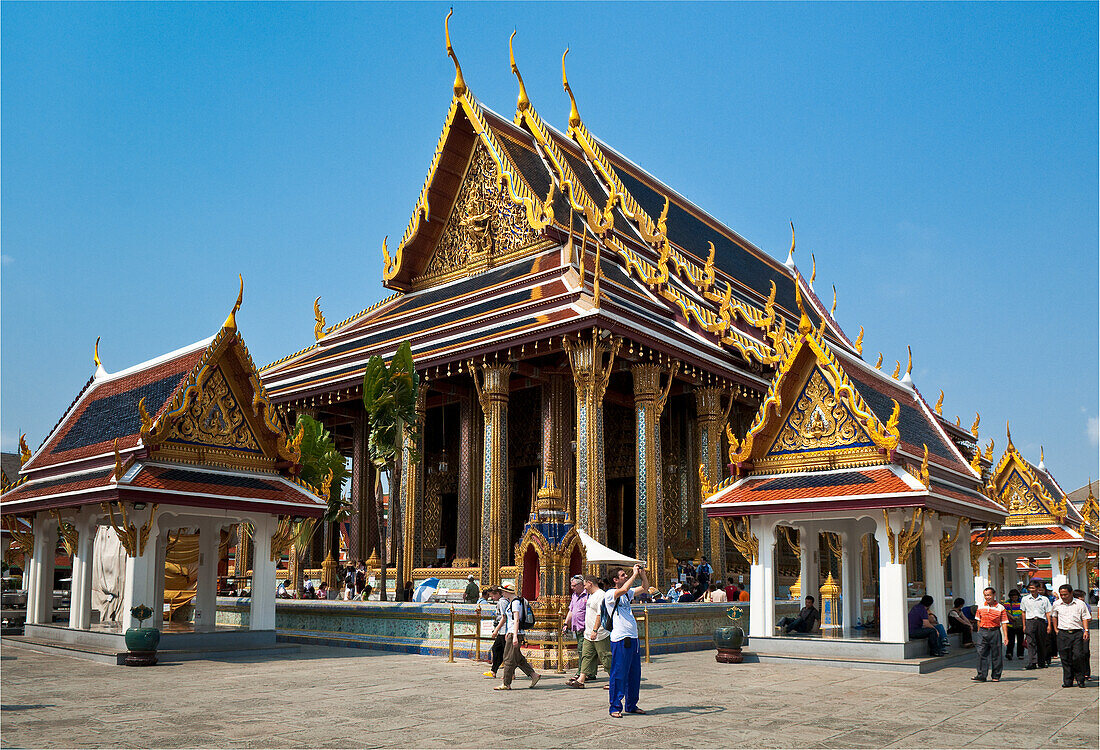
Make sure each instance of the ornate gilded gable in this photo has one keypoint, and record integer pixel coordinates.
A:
(818, 421)
(215, 419)
(485, 227)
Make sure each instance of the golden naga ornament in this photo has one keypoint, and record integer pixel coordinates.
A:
(878, 362)
(939, 404)
(897, 369)
(522, 101)
(24, 450)
(859, 342)
(989, 451)
(319, 320)
(230, 323)
(974, 427)
(460, 82)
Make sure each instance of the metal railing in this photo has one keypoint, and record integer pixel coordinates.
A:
(475, 636)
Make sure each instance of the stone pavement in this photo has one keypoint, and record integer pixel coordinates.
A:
(331, 697)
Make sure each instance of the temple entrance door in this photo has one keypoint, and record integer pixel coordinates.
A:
(621, 513)
(530, 587)
(448, 523)
(524, 484)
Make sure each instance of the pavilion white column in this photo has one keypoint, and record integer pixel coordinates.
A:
(981, 579)
(161, 552)
(893, 613)
(762, 579)
(810, 567)
(80, 597)
(1057, 572)
(206, 591)
(933, 567)
(141, 571)
(962, 574)
(40, 588)
(262, 611)
(851, 594)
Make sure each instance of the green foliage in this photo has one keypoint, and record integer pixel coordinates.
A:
(389, 395)
(319, 457)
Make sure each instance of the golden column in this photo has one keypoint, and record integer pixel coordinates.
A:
(492, 393)
(591, 372)
(364, 522)
(412, 492)
(649, 402)
(240, 559)
(708, 408)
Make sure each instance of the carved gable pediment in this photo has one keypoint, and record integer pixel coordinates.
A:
(215, 419)
(818, 421)
(485, 227)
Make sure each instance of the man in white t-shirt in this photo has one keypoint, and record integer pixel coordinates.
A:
(596, 647)
(513, 640)
(1071, 618)
(626, 657)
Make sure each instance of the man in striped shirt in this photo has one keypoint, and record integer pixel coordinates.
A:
(992, 636)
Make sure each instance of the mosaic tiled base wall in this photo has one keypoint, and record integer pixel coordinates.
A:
(424, 628)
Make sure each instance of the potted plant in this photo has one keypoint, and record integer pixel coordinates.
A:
(142, 642)
(729, 639)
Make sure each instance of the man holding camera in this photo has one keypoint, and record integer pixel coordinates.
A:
(626, 657)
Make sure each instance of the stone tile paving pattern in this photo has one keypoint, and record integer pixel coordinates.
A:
(330, 697)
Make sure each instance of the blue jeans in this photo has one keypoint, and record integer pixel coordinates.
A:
(935, 640)
(626, 675)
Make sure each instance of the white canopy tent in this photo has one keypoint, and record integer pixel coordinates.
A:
(597, 554)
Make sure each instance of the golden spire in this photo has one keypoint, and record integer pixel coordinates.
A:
(24, 450)
(230, 323)
(522, 102)
(897, 369)
(859, 341)
(95, 354)
(460, 82)
(574, 115)
(939, 403)
(878, 362)
(804, 324)
(974, 427)
(832, 313)
(789, 263)
(319, 318)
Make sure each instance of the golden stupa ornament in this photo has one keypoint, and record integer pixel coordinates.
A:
(460, 82)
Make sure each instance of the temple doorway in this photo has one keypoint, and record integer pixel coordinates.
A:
(524, 487)
(621, 515)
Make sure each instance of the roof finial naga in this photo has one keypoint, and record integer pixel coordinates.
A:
(813, 271)
(319, 320)
(974, 427)
(804, 325)
(878, 362)
(908, 378)
(939, 404)
(789, 263)
(1042, 459)
(832, 312)
(1008, 433)
(95, 354)
(389, 265)
(574, 114)
(24, 450)
(897, 369)
(989, 450)
(859, 342)
(460, 82)
(230, 323)
(522, 102)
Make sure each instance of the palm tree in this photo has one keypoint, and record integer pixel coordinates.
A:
(321, 464)
(389, 395)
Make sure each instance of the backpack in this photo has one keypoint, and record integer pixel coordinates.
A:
(527, 615)
(607, 618)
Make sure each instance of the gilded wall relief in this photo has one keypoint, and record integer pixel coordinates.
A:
(818, 421)
(483, 224)
(215, 419)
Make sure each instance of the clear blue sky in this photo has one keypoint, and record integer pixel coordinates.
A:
(940, 161)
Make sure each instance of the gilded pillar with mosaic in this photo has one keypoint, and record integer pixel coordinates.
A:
(412, 489)
(364, 537)
(711, 419)
(467, 433)
(649, 401)
(491, 381)
(591, 359)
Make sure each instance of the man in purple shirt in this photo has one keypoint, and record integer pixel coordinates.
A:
(922, 625)
(574, 618)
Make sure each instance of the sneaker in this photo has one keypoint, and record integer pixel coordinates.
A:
(488, 674)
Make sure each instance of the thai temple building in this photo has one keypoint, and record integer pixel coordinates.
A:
(154, 466)
(1045, 536)
(575, 323)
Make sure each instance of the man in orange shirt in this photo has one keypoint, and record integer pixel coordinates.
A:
(992, 636)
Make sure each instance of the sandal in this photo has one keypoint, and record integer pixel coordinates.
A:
(575, 684)
(638, 711)
(616, 714)
(503, 687)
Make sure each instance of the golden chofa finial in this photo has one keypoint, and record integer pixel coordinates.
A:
(1008, 433)
(789, 262)
(878, 362)
(522, 102)
(897, 369)
(319, 320)
(460, 82)
(813, 270)
(95, 354)
(230, 323)
(574, 115)
(24, 450)
(1042, 459)
(804, 325)
(832, 312)
(939, 403)
(974, 427)
(908, 378)
(859, 342)
(989, 451)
